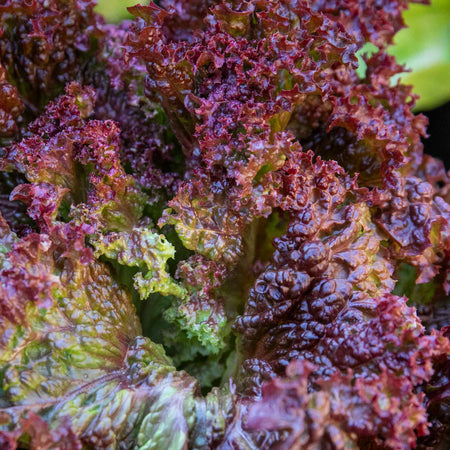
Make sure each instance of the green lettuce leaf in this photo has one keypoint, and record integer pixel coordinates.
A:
(144, 249)
(81, 361)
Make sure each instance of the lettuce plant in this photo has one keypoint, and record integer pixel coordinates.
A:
(216, 232)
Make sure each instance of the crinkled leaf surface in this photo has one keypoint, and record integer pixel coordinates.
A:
(218, 121)
(79, 360)
(144, 249)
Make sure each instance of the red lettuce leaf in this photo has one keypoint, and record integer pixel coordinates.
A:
(45, 45)
(227, 123)
(369, 21)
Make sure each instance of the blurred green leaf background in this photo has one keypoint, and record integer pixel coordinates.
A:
(424, 47)
(116, 10)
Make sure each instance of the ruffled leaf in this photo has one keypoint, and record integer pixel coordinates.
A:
(146, 250)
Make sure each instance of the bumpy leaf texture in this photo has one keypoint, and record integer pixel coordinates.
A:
(217, 174)
(213, 85)
(74, 351)
(43, 46)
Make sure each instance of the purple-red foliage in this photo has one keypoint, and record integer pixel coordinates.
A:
(294, 194)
